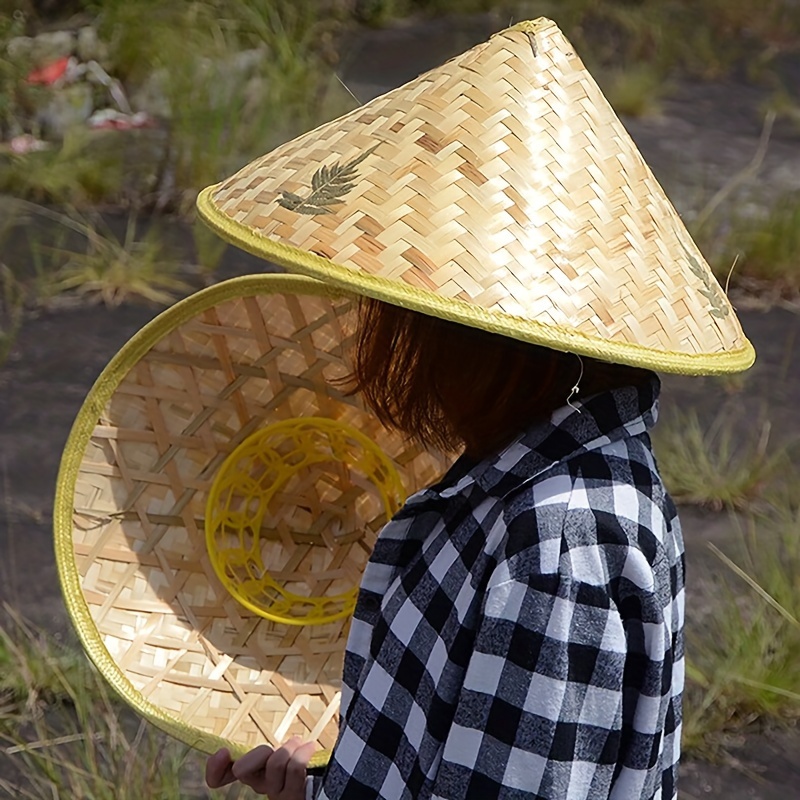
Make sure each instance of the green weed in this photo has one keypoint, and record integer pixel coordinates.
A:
(107, 268)
(66, 735)
(380, 12)
(783, 104)
(46, 248)
(704, 39)
(12, 297)
(112, 269)
(710, 466)
(209, 248)
(12, 70)
(26, 678)
(230, 79)
(76, 173)
(11, 305)
(744, 662)
(235, 78)
(769, 247)
(635, 91)
(141, 35)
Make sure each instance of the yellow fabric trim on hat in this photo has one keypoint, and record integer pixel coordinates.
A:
(100, 394)
(455, 310)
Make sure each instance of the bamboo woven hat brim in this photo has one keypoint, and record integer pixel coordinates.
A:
(149, 440)
(501, 191)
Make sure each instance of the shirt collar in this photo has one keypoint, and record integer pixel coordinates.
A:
(580, 427)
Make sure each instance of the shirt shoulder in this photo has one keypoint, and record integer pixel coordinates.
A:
(592, 516)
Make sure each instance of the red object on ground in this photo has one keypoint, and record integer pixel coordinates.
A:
(109, 119)
(25, 143)
(50, 73)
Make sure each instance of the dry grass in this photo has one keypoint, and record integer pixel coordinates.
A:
(11, 304)
(77, 173)
(711, 466)
(81, 254)
(769, 246)
(64, 735)
(635, 91)
(744, 661)
(218, 106)
(115, 269)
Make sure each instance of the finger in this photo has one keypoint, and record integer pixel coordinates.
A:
(295, 782)
(275, 773)
(252, 761)
(249, 769)
(218, 769)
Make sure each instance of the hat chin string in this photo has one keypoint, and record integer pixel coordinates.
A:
(575, 390)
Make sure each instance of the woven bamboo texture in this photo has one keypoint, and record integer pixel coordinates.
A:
(500, 190)
(130, 520)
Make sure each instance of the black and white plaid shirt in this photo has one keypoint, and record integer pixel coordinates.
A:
(519, 628)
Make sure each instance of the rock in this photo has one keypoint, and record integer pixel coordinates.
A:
(51, 46)
(246, 63)
(89, 47)
(255, 91)
(19, 49)
(151, 96)
(223, 79)
(68, 107)
(781, 175)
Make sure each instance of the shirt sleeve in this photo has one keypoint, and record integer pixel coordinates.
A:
(313, 786)
(555, 700)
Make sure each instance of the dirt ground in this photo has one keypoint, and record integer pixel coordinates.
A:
(59, 354)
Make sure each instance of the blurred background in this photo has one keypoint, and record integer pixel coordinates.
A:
(113, 115)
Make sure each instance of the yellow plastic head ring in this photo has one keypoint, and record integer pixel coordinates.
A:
(287, 514)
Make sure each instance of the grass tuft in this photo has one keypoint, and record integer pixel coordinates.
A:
(27, 679)
(11, 306)
(76, 173)
(107, 268)
(12, 295)
(635, 91)
(13, 91)
(209, 248)
(770, 246)
(744, 662)
(112, 270)
(64, 735)
(710, 466)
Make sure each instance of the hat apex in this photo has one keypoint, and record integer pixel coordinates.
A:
(501, 191)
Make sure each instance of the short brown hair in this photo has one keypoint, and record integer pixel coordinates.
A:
(451, 386)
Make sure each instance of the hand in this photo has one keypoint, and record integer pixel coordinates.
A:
(280, 774)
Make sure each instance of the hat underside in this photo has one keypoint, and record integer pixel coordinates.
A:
(129, 518)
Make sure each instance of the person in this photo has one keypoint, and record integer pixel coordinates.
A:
(523, 277)
(518, 631)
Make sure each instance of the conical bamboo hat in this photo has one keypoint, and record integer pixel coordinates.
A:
(501, 191)
(161, 426)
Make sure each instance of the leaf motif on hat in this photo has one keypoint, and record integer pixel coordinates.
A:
(329, 185)
(712, 292)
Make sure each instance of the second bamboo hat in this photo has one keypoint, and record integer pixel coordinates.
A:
(217, 501)
(500, 191)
